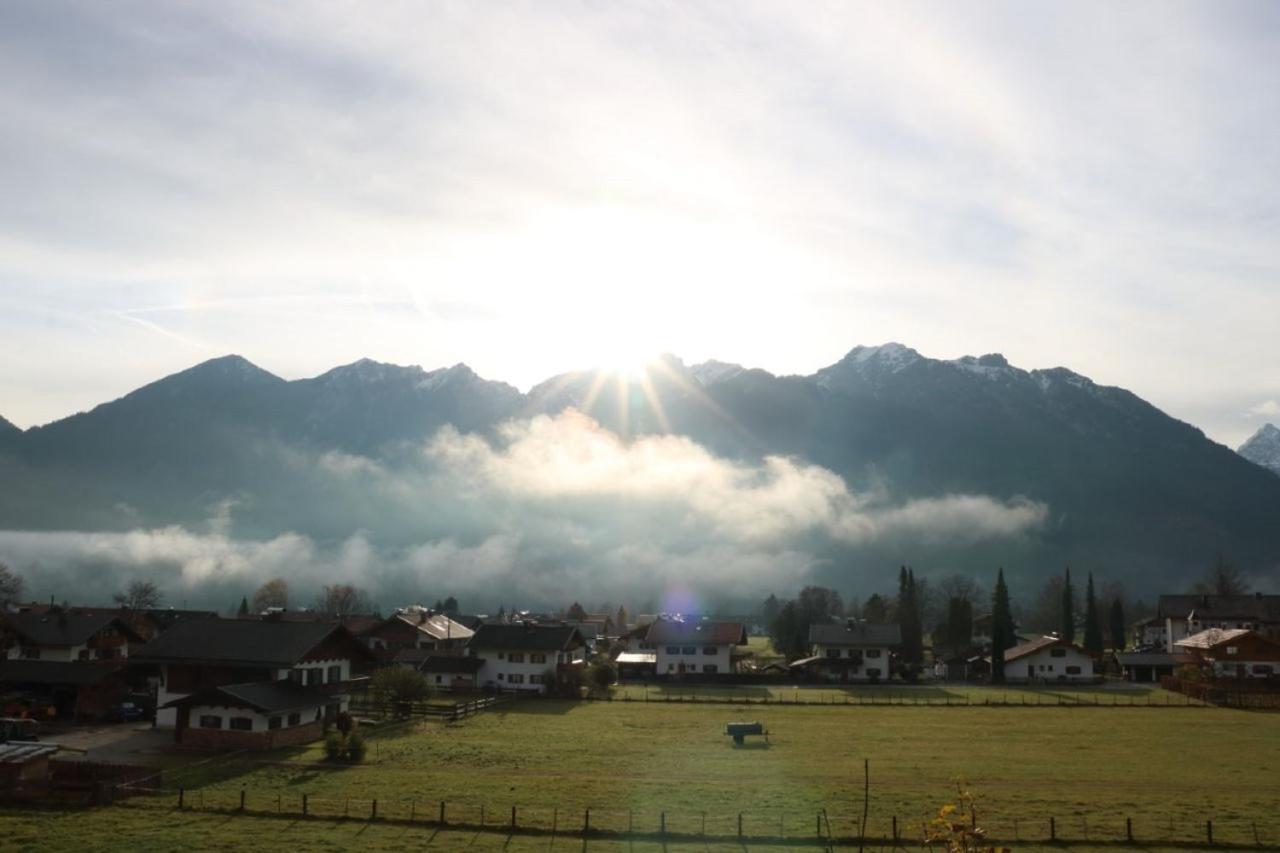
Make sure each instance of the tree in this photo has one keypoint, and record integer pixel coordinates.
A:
(769, 610)
(273, 593)
(140, 595)
(396, 685)
(243, 611)
(957, 632)
(1044, 614)
(790, 631)
(1118, 639)
(1002, 632)
(1067, 625)
(343, 599)
(1223, 578)
(600, 676)
(11, 585)
(620, 621)
(820, 604)
(876, 610)
(960, 586)
(451, 606)
(910, 619)
(576, 613)
(1093, 641)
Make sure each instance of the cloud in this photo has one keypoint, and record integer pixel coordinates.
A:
(1267, 409)
(550, 508)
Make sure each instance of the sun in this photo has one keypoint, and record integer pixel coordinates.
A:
(629, 362)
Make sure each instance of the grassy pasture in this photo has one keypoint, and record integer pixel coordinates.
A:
(1168, 768)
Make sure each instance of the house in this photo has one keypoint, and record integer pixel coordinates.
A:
(525, 655)
(442, 671)
(1237, 653)
(67, 635)
(1149, 666)
(80, 689)
(256, 715)
(1180, 616)
(849, 651)
(196, 657)
(1047, 659)
(417, 627)
(694, 647)
(639, 665)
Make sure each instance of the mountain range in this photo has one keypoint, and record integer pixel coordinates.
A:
(1263, 448)
(1130, 492)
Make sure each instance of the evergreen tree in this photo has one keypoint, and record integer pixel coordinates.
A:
(621, 619)
(1067, 627)
(769, 610)
(1118, 641)
(876, 610)
(451, 606)
(244, 608)
(910, 618)
(1093, 641)
(1002, 632)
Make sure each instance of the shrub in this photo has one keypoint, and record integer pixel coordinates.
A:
(334, 745)
(356, 747)
(399, 685)
(345, 723)
(600, 676)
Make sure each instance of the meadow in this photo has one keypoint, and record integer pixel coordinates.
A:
(640, 764)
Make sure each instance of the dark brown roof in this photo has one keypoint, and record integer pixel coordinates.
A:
(527, 636)
(855, 634)
(53, 628)
(267, 697)
(1032, 646)
(703, 631)
(242, 642)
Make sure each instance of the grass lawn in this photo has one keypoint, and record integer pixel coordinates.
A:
(923, 694)
(630, 761)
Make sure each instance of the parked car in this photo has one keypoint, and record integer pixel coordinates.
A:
(125, 712)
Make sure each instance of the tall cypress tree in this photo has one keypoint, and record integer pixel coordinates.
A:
(1002, 633)
(909, 617)
(1067, 627)
(1093, 641)
(1118, 640)
(244, 607)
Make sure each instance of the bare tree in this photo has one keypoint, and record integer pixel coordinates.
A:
(273, 593)
(11, 585)
(140, 595)
(343, 599)
(1223, 579)
(962, 587)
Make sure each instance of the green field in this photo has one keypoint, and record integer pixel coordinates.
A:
(1169, 769)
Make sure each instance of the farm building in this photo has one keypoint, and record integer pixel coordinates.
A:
(417, 628)
(1236, 653)
(62, 635)
(701, 647)
(259, 715)
(849, 651)
(442, 671)
(525, 655)
(1149, 666)
(1180, 616)
(1047, 659)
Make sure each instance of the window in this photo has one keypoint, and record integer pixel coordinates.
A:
(1261, 669)
(537, 679)
(516, 657)
(501, 677)
(709, 650)
(438, 679)
(273, 723)
(210, 721)
(242, 724)
(502, 655)
(1058, 652)
(710, 668)
(1231, 650)
(334, 674)
(689, 650)
(30, 653)
(515, 678)
(1073, 670)
(670, 667)
(833, 653)
(872, 653)
(294, 719)
(537, 657)
(873, 672)
(295, 675)
(315, 675)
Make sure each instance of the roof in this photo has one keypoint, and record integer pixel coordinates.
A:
(20, 752)
(1211, 637)
(437, 626)
(527, 636)
(77, 673)
(240, 642)
(1254, 607)
(636, 658)
(1151, 659)
(469, 665)
(64, 628)
(855, 634)
(267, 697)
(1039, 644)
(703, 631)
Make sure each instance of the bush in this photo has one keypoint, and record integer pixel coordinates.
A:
(399, 685)
(334, 745)
(356, 747)
(600, 676)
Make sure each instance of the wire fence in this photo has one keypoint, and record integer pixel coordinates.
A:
(828, 827)
(988, 699)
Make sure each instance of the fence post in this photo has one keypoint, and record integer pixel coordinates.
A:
(895, 829)
(662, 823)
(442, 812)
(241, 799)
(1208, 828)
(513, 817)
(817, 825)
(1053, 830)
(1128, 829)
(739, 824)
(373, 813)
(586, 821)
(182, 794)
(482, 814)
(413, 810)
(278, 803)
(555, 820)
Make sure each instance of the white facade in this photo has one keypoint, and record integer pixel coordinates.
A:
(674, 659)
(257, 722)
(518, 669)
(874, 659)
(323, 672)
(63, 654)
(1050, 664)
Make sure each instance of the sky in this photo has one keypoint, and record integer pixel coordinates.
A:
(533, 188)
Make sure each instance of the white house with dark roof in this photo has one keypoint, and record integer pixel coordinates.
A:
(65, 636)
(1048, 659)
(852, 650)
(693, 647)
(525, 655)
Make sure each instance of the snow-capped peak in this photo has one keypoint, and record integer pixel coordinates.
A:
(1263, 448)
(436, 378)
(710, 372)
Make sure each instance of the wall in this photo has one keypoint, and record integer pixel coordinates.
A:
(224, 739)
(859, 673)
(495, 666)
(670, 663)
(1050, 669)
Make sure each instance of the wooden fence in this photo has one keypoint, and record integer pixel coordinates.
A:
(368, 705)
(1226, 693)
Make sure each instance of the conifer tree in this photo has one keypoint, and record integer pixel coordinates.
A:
(1002, 633)
(244, 607)
(1067, 628)
(1118, 640)
(1092, 622)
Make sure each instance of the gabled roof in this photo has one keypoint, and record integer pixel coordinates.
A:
(1212, 637)
(1039, 644)
(703, 631)
(437, 626)
(527, 636)
(242, 642)
(424, 661)
(63, 628)
(266, 697)
(52, 672)
(855, 634)
(1255, 607)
